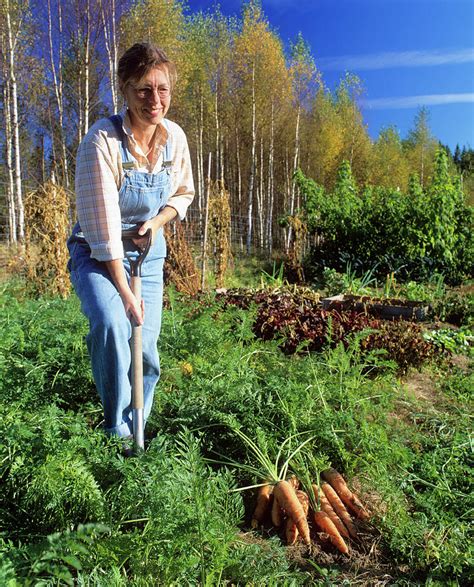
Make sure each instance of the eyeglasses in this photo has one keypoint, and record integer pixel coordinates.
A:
(145, 93)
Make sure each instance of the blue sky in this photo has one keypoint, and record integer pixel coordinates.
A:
(407, 53)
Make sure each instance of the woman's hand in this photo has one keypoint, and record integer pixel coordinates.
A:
(167, 214)
(134, 310)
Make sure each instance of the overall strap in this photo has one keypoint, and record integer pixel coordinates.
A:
(167, 151)
(125, 154)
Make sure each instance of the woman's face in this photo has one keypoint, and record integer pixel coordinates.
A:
(148, 99)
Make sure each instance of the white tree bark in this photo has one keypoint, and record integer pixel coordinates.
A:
(261, 199)
(206, 220)
(56, 71)
(109, 24)
(270, 183)
(252, 165)
(200, 166)
(9, 161)
(12, 39)
(239, 184)
(87, 62)
(295, 167)
(218, 135)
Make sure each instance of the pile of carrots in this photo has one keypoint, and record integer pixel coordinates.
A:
(329, 506)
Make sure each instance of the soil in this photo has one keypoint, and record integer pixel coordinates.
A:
(366, 564)
(422, 386)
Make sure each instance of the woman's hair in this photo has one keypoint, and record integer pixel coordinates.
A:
(137, 61)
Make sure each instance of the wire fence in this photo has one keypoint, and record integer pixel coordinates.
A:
(239, 228)
(260, 244)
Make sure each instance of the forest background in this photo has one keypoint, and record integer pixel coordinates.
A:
(254, 111)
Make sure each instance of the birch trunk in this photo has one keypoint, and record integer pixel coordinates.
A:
(221, 158)
(87, 69)
(12, 41)
(110, 39)
(58, 87)
(80, 122)
(201, 157)
(252, 165)
(206, 220)
(270, 196)
(218, 138)
(262, 198)
(286, 200)
(198, 183)
(295, 166)
(239, 186)
(239, 169)
(12, 230)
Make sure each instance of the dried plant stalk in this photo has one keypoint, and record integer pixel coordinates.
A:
(46, 232)
(219, 230)
(180, 268)
(297, 246)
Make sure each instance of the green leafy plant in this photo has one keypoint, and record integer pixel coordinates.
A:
(409, 456)
(454, 341)
(456, 308)
(414, 235)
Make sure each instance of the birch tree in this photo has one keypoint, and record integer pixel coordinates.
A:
(324, 140)
(109, 15)
(304, 79)
(8, 146)
(389, 167)
(14, 15)
(55, 44)
(357, 145)
(197, 103)
(420, 147)
(260, 80)
(160, 22)
(83, 70)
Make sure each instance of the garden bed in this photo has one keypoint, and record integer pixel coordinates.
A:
(386, 308)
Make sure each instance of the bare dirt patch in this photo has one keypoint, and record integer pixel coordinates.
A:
(422, 386)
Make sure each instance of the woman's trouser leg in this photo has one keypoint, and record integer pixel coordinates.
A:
(108, 338)
(107, 342)
(152, 294)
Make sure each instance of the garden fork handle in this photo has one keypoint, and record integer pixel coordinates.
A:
(137, 372)
(137, 399)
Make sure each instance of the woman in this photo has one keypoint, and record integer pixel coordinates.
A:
(131, 171)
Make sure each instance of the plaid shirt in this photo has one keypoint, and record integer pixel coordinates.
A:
(99, 175)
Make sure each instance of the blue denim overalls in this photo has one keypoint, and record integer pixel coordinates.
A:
(141, 196)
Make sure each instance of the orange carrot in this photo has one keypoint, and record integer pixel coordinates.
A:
(263, 503)
(326, 507)
(291, 532)
(339, 508)
(277, 514)
(349, 498)
(294, 482)
(288, 501)
(304, 500)
(323, 522)
(291, 529)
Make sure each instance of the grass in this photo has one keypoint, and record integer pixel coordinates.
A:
(73, 511)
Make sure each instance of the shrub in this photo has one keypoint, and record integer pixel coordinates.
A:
(415, 234)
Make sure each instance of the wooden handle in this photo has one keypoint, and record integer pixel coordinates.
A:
(137, 351)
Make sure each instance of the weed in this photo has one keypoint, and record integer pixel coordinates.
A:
(75, 510)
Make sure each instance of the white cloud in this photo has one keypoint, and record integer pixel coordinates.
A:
(415, 101)
(396, 59)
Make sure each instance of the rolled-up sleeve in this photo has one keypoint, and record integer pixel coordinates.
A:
(97, 199)
(182, 185)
